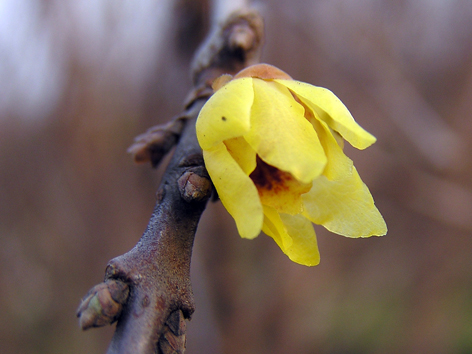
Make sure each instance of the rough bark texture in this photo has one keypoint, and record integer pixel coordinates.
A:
(148, 290)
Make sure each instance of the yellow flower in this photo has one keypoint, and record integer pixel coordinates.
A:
(273, 149)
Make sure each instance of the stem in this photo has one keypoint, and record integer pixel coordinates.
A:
(158, 267)
(222, 9)
(148, 289)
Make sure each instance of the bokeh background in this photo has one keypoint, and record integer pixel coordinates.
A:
(79, 80)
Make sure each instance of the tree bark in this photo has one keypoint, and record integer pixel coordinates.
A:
(148, 290)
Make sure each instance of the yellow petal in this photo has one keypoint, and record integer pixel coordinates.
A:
(304, 248)
(273, 226)
(235, 189)
(345, 207)
(243, 153)
(332, 111)
(339, 200)
(332, 144)
(226, 114)
(293, 234)
(280, 134)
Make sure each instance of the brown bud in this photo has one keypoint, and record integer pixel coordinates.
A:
(103, 304)
(194, 187)
(263, 71)
(153, 145)
(242, 37)
(173, 338)
(221, 81)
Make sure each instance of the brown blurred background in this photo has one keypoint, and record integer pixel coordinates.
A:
(78, 80)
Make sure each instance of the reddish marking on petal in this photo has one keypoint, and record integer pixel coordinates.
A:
(269, 177)
(279, 189)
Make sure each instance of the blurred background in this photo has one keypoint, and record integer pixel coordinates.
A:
(79, 80)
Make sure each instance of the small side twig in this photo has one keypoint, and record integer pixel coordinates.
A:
(157, 141)
(147, 290)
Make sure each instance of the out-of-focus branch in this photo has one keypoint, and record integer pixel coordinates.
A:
(228, 49)
(148, 290)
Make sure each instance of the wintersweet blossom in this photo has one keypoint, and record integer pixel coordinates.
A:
(273, 148)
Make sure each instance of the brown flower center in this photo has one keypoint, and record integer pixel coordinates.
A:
(269, 177)
(278, 189)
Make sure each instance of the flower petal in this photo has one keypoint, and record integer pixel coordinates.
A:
(226, 114)
(273, 226)
(236, 190)
(332, 111)
(339, 200)
(304, 249)
(243, 153)
(280, 134)
(293, 234)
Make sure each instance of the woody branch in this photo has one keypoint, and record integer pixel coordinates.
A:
(147, 290)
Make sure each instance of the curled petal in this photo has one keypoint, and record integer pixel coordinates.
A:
(304, 249)
(332, 111)
(243, 154)
(280, 134)
(235, 189)
(274, 227)
(294, 234)
(226, 115)
(339, 200)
